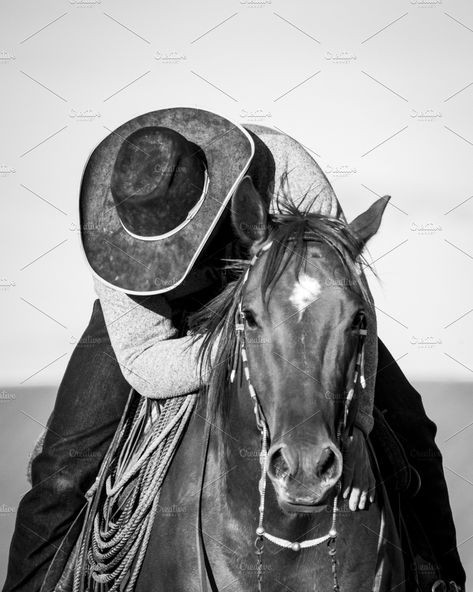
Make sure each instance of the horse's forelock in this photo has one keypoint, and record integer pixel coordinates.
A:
(293, 229)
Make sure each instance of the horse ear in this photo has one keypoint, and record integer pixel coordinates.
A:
(249, 213)
(366, 225)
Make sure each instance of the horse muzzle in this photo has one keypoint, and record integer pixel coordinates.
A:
(304, 475)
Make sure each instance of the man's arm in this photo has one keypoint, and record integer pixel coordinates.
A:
(153, 360)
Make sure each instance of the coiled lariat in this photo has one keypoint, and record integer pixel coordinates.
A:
(112, 551)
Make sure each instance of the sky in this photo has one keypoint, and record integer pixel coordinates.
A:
(380, 94)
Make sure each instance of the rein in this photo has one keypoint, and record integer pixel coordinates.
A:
(345, 424)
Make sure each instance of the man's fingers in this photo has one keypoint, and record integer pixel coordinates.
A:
(363, 498)
(372, 488)
(347, 485)
(372, 491)
(354, 499)
(347, 480)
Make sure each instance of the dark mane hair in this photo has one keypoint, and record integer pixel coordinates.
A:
(292, 227)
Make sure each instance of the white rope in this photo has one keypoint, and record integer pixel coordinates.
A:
(295, 546)
(137, 462)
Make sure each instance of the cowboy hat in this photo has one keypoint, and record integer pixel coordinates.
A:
(154, 189)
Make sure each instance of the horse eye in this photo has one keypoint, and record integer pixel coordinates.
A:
(359, 320)
(249, 319)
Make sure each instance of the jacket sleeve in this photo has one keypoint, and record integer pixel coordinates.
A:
(364, 419)
(152, 358)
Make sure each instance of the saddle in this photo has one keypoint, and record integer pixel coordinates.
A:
(402, 483)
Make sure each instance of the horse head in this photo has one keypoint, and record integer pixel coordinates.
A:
(303, 302)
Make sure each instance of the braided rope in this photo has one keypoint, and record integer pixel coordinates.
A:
(110, 558)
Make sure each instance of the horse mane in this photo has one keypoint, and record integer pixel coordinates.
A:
(292, 227)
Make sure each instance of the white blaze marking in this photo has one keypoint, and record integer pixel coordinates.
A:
(304, 293)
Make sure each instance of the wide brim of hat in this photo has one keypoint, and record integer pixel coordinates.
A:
(145, 267)
(306, 182)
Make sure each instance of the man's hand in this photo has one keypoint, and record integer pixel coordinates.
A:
(358, 479)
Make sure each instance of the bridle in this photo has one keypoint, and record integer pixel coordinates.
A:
(345, 425)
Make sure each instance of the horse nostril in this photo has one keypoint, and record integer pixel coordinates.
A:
(327, 464)
(278, 467)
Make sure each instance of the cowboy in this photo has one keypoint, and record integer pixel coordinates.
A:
(154, 207)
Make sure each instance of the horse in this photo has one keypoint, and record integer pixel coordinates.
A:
(252, 497)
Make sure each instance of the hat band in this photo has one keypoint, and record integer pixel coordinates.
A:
(191, 213)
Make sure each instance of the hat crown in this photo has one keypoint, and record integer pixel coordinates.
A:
(157, 181)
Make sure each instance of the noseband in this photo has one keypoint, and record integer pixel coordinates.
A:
(344, 427)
